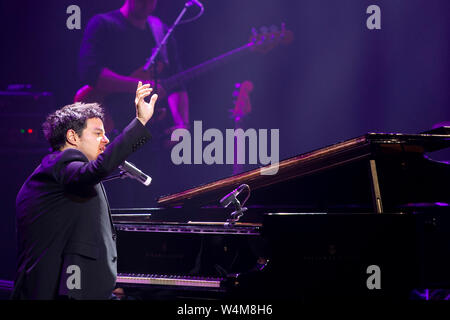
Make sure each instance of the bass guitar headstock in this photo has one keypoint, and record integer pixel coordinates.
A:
(269, 37)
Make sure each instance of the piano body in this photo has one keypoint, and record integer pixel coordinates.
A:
(314, 230)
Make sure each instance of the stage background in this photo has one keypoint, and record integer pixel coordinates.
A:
(336, 81)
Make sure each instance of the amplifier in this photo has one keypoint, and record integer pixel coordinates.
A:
(21, 116)
(22, 146)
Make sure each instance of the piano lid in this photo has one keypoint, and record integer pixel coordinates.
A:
(367, 146)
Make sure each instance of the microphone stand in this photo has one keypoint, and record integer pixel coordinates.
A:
(237, 214)
(121, 175)
(239, 208)
(151, 61)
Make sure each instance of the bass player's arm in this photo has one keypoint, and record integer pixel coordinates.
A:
(109, 81)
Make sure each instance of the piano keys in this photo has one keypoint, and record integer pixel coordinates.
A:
(169, 280)
(202, 249)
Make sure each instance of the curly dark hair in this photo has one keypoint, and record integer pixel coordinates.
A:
(73, 116)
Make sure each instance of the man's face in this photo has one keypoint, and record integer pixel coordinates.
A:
(142, 8)
(93, 140)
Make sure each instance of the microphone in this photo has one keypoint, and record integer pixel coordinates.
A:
(197, 3)
(131, 171)
(229, 198)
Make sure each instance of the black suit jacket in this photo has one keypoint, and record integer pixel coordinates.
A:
(64, 223)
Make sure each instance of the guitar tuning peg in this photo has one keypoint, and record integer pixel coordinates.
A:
(273, 28)
(273, 31)
(254, 37)
(235, 93)
(237, 85)
(264, 31)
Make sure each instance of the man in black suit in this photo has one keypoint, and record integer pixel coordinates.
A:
(66, 238)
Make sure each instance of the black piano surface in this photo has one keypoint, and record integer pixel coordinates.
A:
(346, 176)
(310, 231)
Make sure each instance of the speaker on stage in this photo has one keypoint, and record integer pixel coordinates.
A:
(22, 112)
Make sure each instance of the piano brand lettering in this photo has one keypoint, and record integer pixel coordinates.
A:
(213, 153)
(74, 280)
(205, 311)
(374, 280)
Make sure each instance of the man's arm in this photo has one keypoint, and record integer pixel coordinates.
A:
(110, 81)
(178, 101)
(72, 168)
(179, 107)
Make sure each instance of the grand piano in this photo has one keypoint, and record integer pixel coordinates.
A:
(315, 230)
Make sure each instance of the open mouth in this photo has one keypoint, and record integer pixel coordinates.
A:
(102, 149)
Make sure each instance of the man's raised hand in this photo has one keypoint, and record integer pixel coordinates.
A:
(144, 110)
